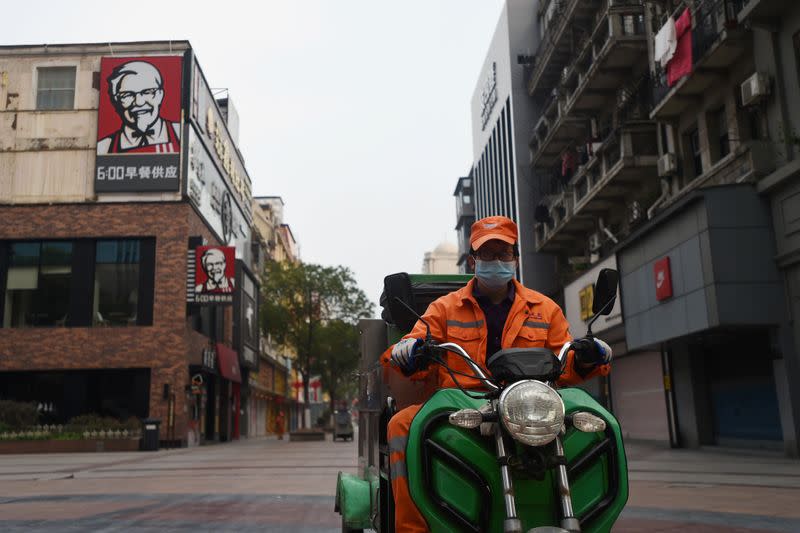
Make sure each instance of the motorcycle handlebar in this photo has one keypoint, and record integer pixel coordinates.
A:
(458, 350)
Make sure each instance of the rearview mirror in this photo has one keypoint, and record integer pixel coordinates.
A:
(605, 291)
(398, 287)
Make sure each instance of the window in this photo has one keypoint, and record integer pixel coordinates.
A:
(718, 130)
(249, 313)
(55, 88)
(467, 199)
(796, 44)
(37, 291)
(116, 283)
(695, 158)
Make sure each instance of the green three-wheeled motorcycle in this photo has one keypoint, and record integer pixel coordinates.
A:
(519, 456)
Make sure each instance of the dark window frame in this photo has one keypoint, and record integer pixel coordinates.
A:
(39, 105)
(82, 278)
(796, 46)
(695, 151)
(37, 296)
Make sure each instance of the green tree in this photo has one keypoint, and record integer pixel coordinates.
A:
(299, 299)
(336, 359)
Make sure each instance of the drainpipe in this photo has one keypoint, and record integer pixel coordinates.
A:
(664, 195)
(607, 231)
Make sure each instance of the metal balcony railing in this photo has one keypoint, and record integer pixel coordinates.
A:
(711, 18)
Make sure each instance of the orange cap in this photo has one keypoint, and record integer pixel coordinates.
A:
(489, 228)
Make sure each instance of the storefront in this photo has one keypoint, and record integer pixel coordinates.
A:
(633, 390)
(229, 393)
(702, 296)
(246, 343)
(261, 398)
(203, 387)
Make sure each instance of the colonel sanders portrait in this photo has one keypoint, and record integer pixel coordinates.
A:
(213, 263)
(136, 90)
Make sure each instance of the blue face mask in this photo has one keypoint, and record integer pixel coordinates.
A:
(495, 274)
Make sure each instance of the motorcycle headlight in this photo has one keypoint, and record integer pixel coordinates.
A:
(532, 412)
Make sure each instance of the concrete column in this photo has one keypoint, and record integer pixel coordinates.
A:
(684, 395)
(693, 404)
(787, 369)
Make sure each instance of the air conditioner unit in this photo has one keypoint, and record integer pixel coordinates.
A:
(667, 165)
(594, 242)
(755, 88)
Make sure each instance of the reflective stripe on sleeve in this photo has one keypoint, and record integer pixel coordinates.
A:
(456, 323)
(398, 444)
(398, 469)
(538, 325)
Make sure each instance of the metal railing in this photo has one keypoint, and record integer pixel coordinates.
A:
(711, 18)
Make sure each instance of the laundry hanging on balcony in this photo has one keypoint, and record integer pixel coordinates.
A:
(567, 165)
(666, 43)
(681, 63)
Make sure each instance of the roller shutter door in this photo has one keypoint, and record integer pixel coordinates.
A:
(637, 396)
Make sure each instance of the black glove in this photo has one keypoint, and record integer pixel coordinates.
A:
(591, 351)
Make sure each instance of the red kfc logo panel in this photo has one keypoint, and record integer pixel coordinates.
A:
(140, 105)
(215, 270)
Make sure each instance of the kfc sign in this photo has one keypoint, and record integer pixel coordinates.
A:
(212, 276)
(215, 136)
(663, 279)
(139, 124)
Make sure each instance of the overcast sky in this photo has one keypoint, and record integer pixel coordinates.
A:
(355, 112)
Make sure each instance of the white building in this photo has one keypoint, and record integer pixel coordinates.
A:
(442, 260)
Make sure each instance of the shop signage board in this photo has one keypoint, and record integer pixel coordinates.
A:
(209, 360)
(586, 296)
(213, 197)
(489, 95)
(663, 279)
(213, 133)
(139, 124)
(578, 299)
(211, 276)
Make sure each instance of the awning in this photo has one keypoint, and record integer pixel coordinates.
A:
(229, 363)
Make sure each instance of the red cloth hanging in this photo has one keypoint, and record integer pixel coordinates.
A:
(567, 162)
(681, 63)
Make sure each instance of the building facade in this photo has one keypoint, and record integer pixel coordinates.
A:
(465, 217)
(274, 392)
(442, 260)
(127, 212)
(670, 161)
(664, 159)
(502, 112)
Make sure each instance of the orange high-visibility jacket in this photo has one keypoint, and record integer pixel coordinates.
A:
(534, 321)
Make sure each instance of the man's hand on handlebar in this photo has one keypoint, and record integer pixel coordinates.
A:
(591, 351)
(405, 354)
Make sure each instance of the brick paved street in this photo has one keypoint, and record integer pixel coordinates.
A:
(282, 486)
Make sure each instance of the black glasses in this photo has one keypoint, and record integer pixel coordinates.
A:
(486, 255)
(126, 98)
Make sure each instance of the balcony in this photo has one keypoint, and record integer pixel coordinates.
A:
(717, 43)
(557, 42)
(464, 207)
(622, 170)
(590, 82)
(762, 10)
